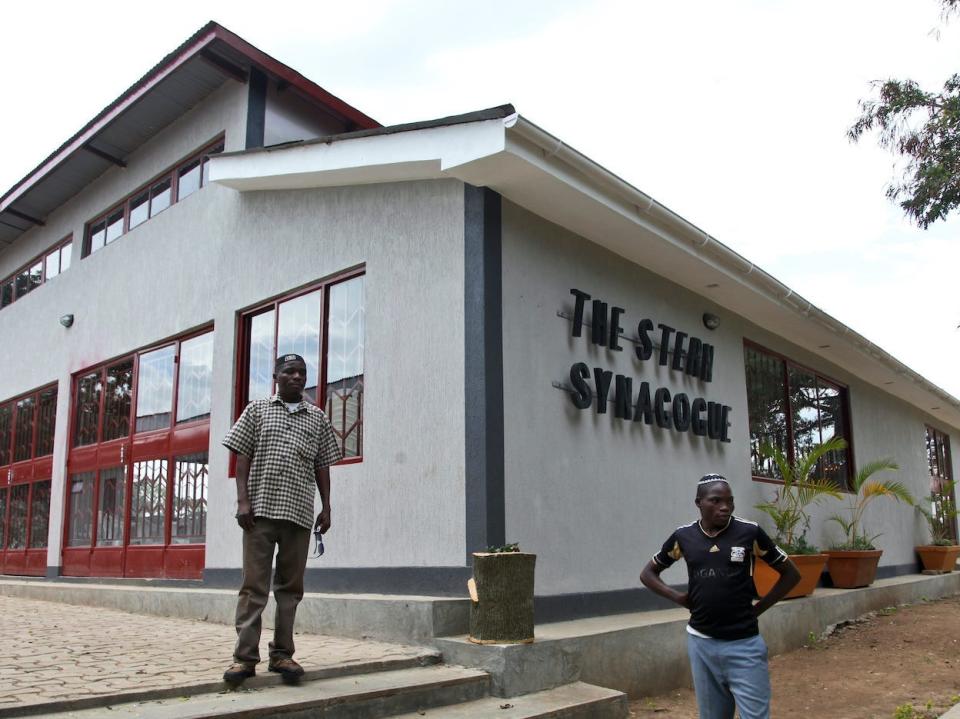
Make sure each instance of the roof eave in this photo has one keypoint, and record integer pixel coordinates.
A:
(538, 171)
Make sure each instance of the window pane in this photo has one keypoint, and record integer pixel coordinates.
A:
(110, 507)
(6, 434)
(298, 331)
(46, 422)
(65, 256)
(40, 515)
(260, 381)
(6, 293)
(3, 518)
(36, 274)
(766, 403)
(23, 433)
(88, 409)
(17, 530)
(98, 235)
(155, 389)
(81, 510)
(159, 197)
(139, 208)
(833, 466)
(23, 283)
(189, 525)
(189, 180)
(148, 501)
(193, 382)
(53, 264)
(114, 225)
(345, 333)
(116, 405)
(805, 413)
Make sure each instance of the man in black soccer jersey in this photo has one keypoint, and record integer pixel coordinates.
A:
(728, 657)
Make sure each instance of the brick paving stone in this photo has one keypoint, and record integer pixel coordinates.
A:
(58, 651)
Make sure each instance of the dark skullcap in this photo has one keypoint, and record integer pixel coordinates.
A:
(708, 478)
(283, 359)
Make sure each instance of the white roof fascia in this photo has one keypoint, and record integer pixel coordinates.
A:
(539, 172)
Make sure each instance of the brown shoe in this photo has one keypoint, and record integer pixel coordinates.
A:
(239, 671)
(286, 668)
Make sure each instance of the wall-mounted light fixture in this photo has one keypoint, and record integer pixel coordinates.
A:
(66, 320)
(710, 321)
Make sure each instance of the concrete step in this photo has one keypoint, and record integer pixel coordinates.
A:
(571, 701)
(190, 685)
(389, 618)
(364, 696)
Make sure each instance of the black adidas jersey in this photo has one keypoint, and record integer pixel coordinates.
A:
(720, 571)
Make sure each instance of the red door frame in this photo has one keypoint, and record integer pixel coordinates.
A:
(26, 560)
(165, 560)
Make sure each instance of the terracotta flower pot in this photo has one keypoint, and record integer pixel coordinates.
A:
(851, 568)
(810, 566)
(937, 558)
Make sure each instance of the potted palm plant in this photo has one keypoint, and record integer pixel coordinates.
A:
(789, 511)
(853, 562)
(940, 556)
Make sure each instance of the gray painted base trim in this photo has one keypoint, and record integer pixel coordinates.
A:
(426, 581)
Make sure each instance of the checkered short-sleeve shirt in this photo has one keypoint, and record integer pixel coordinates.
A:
(285, 449)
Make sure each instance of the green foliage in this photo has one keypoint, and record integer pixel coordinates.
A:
(505, 549)
(922, 129)
(865, 491)
(799, 491)
(940, 514)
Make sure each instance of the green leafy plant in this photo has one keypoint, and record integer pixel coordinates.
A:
(799, 491)
(504, 549)
(939, 509)
(865, 490)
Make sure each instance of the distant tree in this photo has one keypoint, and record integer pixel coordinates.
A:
(923, 129)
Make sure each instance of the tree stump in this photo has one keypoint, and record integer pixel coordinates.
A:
(501, 593)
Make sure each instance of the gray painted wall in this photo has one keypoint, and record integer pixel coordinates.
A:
(217, 252)
(595, 496)
(289, 117)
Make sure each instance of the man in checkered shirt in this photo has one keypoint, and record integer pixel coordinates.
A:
(284, 447)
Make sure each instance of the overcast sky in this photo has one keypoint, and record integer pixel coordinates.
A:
(733, 114)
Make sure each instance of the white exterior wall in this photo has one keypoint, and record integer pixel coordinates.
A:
(217, 252)
(595, 496)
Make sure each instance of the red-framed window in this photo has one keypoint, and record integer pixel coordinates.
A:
(794, 408)
(27, 429)
(39, 270)
(941, 475)
(168, 188)
(324, 323)
(136, 499)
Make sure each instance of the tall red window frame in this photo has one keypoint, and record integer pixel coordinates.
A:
(243, 347)
(787, 364)
(166, 559)
(29, 476)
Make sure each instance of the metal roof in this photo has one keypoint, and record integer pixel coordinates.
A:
(177, 83)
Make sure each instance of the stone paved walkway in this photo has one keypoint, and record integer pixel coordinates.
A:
(55, 652)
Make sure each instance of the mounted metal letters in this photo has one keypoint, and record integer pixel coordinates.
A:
(676, 349)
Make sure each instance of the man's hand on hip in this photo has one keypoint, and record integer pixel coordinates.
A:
(323, 521)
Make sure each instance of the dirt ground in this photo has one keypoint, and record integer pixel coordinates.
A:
(898, 663)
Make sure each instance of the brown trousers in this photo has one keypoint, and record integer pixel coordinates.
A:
(292, 543)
